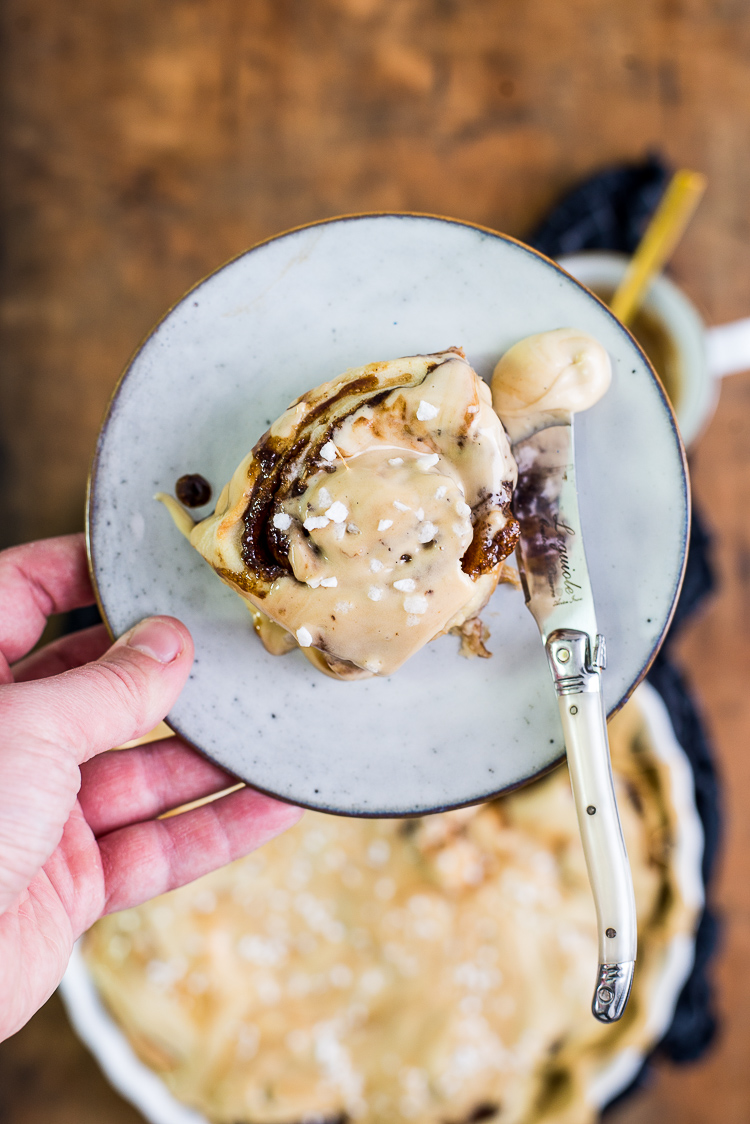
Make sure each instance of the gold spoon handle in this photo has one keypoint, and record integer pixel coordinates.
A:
(662, 235)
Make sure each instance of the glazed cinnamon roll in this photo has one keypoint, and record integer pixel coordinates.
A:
(372, 516)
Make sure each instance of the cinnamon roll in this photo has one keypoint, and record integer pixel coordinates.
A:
(373, 515)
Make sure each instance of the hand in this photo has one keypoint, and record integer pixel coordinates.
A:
(79, 829)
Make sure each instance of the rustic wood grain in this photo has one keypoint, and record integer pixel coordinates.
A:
(143, 144)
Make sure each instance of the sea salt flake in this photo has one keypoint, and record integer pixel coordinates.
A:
(428, 461)
(379, 852)
(395, 461)
(314, 521)
(462, 508)
(401, 506)
(419, 514)
(304, 638)
(352, 529)
(385, 888)
(337, 512)
(375, 565)
(373, 665)
(416, 604)
(339, 530)
(329, 583)
(472, 409)
(405, 585)
(426, 411)
(344, 606)
(341, 975)
(384, 524)
(426, 532)
(441, 493)
(164, 973)
(375, 593)
(282, 521)
(372, 981)
(313, 583)
(329, 451)
(411, 620)
(325, 498)
(262, 951)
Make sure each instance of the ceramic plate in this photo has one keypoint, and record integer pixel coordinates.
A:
(226, 361)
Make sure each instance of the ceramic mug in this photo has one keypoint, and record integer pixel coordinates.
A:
(689, 357)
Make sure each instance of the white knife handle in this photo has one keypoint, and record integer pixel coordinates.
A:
(576, 672)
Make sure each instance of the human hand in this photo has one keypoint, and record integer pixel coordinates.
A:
(79, 833)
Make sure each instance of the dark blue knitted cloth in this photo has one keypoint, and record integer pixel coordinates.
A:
(609, 211)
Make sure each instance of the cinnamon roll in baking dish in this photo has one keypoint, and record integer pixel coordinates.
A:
(411, 971)
(373, 516)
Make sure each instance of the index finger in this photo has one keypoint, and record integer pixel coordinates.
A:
(37, 580)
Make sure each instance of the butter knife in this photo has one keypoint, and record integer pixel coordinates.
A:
(556, 584)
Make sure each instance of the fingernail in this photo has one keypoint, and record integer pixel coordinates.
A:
(157, 639)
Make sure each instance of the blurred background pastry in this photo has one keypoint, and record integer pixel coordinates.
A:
(426, 970)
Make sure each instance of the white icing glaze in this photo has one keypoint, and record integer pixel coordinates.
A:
(545, 377)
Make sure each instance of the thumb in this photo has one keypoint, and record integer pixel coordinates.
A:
(51, 725)
(118, 697)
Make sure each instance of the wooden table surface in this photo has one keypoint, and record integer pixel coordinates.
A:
(144, 144)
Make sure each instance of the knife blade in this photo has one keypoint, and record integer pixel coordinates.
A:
(555, 579)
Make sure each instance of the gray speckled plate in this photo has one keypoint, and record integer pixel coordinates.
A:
(226, 361)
